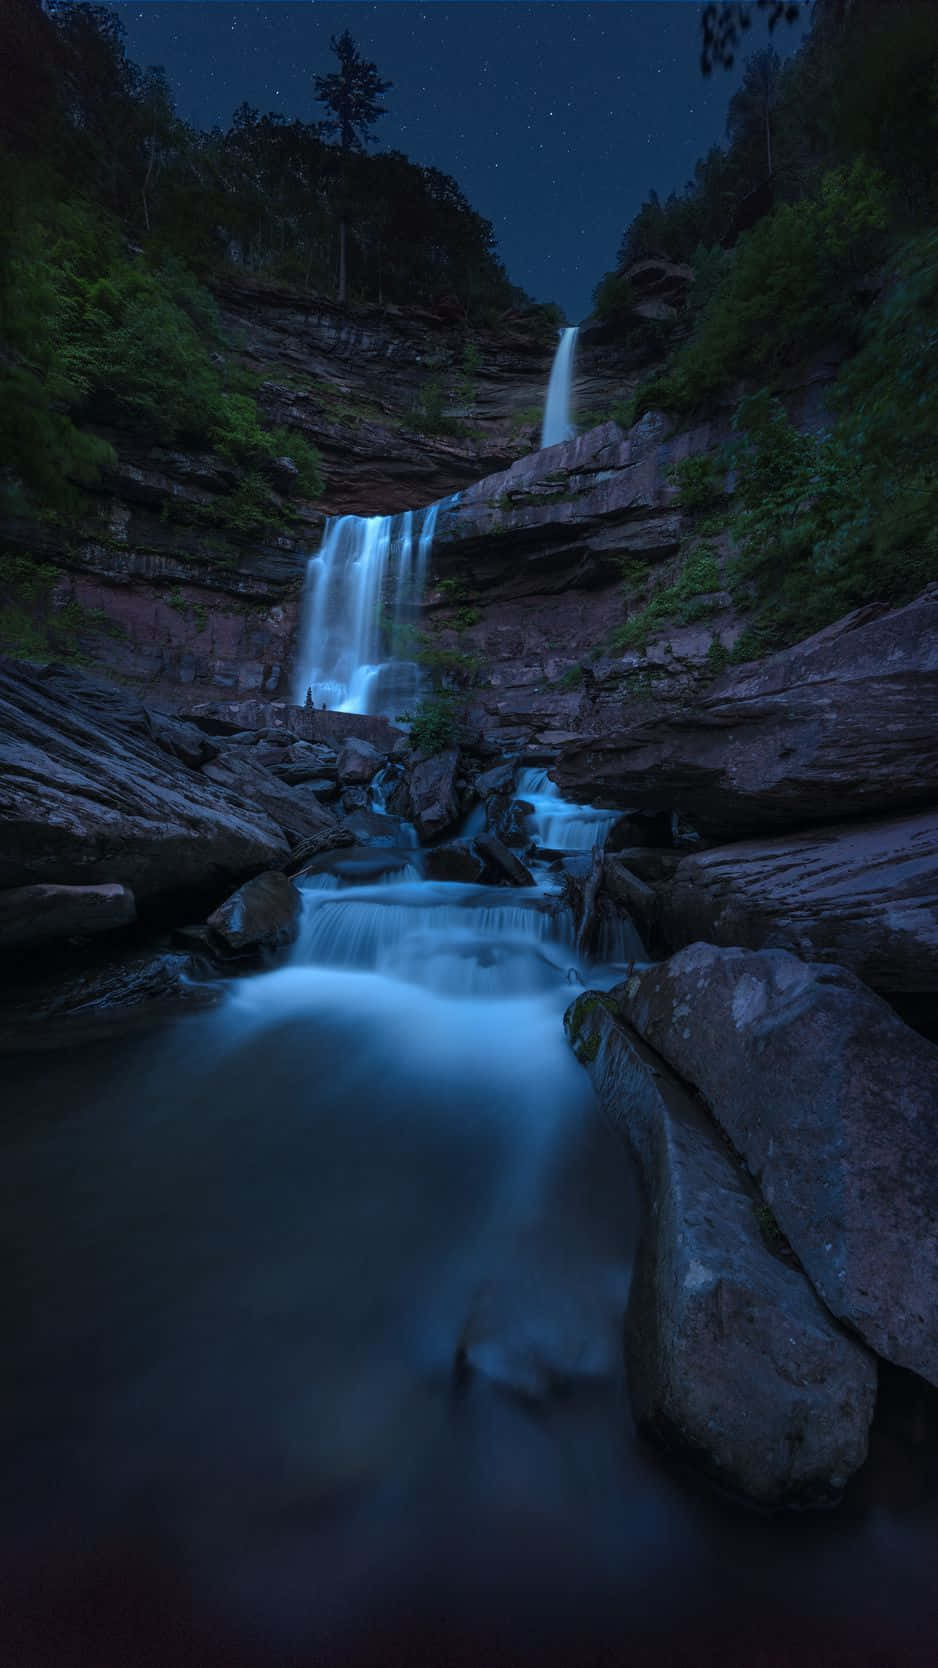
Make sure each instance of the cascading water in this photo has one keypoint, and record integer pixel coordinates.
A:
(556, 824)
(319, 1322)
(557, 425)
(363, 589)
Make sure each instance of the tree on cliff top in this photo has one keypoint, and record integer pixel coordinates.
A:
(352, 95)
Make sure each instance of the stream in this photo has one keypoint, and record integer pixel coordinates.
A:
(317, 1321)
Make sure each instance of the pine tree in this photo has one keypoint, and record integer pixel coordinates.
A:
(352, 95)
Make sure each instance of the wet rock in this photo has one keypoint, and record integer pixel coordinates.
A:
(87, 796)
(327, 839)
(863, 895)
(500, 779)
(358, 762)
(640, 901)
(264, 914)
(508, 818)
(355, 799)
(733, 1361)
(38, 914)
(375, 828)
(434, 804)
(842, 725)
(134, 990)
(501, 863)
(833, 1103)
(458, 860)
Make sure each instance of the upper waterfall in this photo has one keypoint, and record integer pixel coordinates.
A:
(557, 425)
(358, 635)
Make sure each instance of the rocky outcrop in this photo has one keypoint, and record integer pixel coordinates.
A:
(358, 762)
(132, 990)
(428, 798)
(89, 796)
(31, 915)
(843, 724)
(864, 895)
(733, 1361)
(264, 914)
(833, 1104)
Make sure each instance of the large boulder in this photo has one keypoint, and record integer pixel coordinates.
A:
(458, 860)
(864, 895)
(733, 1361)
(264, 914)
(88, 796)
(37, 914)
(844, 724)
(295, 809)
(434, 803)
(833, 1104)
(358, 762)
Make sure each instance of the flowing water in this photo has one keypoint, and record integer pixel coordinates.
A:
(557, 425)
(315, 1310)
(359, 636)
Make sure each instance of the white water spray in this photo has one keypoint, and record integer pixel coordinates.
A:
(557, 425)
(363, 589)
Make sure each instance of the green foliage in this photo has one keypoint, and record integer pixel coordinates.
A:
(827, 522)
(790, 287)
(34, 624)
(436, 723)
(428, 412)
(612, 296)
(699, 481)
(571, 678)
(97, 337)
(687, 600)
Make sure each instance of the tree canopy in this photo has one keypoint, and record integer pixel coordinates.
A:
(352, 95)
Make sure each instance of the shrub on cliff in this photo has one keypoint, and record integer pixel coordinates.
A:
(827, 522)
(789, 287)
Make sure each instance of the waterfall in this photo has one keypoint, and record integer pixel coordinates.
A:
(557, 425)
(556, 824)
(358, 645)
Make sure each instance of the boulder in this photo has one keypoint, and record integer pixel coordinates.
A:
(357, 762)
(640, 900)
(833, 1103)
(733, 1361)
(264, 914)
(864, 895)
(37, 914)
(376, 828)
(458, 860)
(88, 796)
(844, 724)
(434, 803)
(500, 779)
(296, 809)
(501, 863)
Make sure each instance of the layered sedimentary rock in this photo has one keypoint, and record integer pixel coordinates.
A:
(864, 895)
(88, 795)
(843, 724)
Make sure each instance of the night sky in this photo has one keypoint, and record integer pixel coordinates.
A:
(555, 118)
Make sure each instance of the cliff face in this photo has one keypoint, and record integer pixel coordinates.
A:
(160, 587)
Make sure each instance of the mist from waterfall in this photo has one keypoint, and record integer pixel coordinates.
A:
(557, 425)
(358, 635)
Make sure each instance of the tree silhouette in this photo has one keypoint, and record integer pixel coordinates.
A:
(723, 25)
(352, 95)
